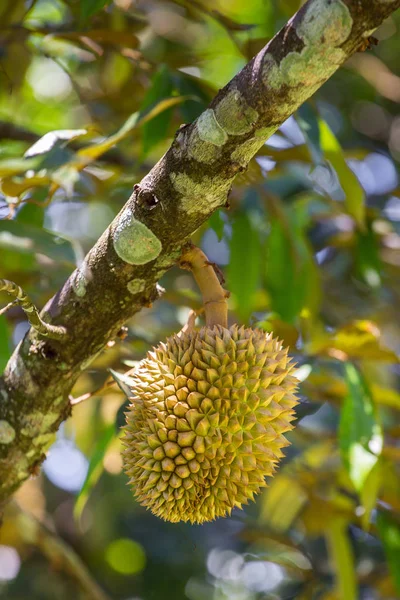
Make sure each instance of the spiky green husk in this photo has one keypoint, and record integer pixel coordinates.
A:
(206, 421)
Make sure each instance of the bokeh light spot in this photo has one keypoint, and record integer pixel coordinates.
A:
(126, 556)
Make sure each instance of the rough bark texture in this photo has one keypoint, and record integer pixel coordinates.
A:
(120, 273)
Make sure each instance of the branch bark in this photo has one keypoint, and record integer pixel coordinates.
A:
(120, 273)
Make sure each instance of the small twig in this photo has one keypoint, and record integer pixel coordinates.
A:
(9, 305)
(51, 331)
(60, 554)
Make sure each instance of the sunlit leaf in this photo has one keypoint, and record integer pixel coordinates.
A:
(95, 469)
(244, 269)
(343, 560)
(282, 503)
(360, 434)
(13, 187)
(360, 339)
(50, 139)
(369, 493)
(13, 166)
(95, 150)
(389, 531)
(354, 194)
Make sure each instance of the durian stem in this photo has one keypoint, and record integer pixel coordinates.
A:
(214, 295)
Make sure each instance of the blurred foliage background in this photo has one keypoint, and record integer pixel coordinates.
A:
(91, 93)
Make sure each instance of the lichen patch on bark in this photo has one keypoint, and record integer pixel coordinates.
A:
(134, 242)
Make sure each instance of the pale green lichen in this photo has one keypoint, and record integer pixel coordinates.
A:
(234, 115)
(7, 432)
(324, 26)
(265, 132)
(135, 243)
(270, 72)
(168, 259)
(205, 152)
(136, 285)
(79, 284)
(200, 196)
(245, 152)
(45, 441)
(325, 22)
(209, 129)
(37, 422)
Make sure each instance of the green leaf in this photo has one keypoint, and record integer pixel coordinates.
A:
(94, 151)
(369, 493)
(308, 122)
(27, 239)
(198, 101)
(360, 434)
(343, 560)
(244, 270)
(354, 193)
(292, 276)
(217, 223)
(95, 469)
(91, 7)
(367, 260)
(4, 346)
(161, 88)
(389, 531)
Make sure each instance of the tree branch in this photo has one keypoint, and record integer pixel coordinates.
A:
(45, 329)
(119, 275)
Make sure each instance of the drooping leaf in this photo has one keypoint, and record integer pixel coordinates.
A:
(244, 269)
(369, 493)
(368, 262)
(94, 151)
(354, 193)
(360, 434)
(95, 468)
(342, 557)
(161, 88)
(389, 532)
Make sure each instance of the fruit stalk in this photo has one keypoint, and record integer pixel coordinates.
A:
(213, 294)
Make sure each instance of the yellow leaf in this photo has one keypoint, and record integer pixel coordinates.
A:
(342, 557)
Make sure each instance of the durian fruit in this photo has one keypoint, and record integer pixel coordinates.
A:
(208, 413)
(206, 421)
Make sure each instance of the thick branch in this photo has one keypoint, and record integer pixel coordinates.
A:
(120, 273)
